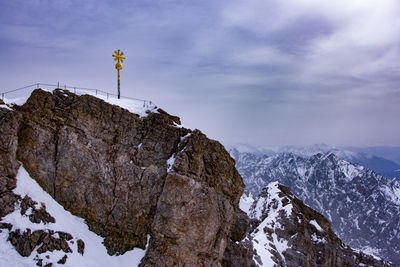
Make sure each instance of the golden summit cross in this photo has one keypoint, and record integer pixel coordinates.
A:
(119, 57)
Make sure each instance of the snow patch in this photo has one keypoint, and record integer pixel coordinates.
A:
(245, 202)
(170, 162)
(5, 106)
(316, 225)
(260, 208)
(186, 136)
(371, 251)
(317, 239)
(134, 106)
(350, 170)
(393, 193)
(178, 125)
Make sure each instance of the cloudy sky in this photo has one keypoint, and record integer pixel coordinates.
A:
(261, 72)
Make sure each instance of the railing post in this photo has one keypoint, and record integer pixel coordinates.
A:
(65, 86)
(74, 90)
(58, 84)
(2, 96)
(37, 86)
(107, 95)
(96, 91)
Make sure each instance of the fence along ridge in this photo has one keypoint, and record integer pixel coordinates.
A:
(67, 87)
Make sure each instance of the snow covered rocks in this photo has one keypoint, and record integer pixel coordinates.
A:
(286, 232)
(104, 175)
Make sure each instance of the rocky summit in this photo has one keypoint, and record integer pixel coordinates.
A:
(135, 180)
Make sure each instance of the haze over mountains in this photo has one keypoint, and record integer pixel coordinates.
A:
(384, 160)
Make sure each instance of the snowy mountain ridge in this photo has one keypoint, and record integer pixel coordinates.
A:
(363, 207)
(286, 232)
(367, 157)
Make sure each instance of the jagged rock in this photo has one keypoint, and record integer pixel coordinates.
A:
(109, 166)
(7, 200)
(81, 246)
(27, 241)
(7, 226)
(1, 102)
(36, 215)
(63, 259)
(241, 226)
(196, 209)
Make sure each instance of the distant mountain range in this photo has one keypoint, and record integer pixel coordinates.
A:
(363, 206)
(383, 160)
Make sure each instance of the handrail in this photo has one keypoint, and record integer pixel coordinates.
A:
(75, 88)
(14, 90)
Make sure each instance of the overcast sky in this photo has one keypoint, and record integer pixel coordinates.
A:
(261, 72)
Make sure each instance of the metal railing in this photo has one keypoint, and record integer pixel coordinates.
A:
(75, 89)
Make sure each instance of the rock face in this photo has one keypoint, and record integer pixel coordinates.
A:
(9, 125)
(127, 176)
(363, 207)
(286, 232)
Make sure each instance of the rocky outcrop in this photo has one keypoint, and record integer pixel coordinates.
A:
(286, 232)
(36, 215)
(127, 176)
(26, 242)
(198, 202)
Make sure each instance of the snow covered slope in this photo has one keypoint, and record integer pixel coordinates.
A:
(363, 207)
(19, 221)
(286, 232)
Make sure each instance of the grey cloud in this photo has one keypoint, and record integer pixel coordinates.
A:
(260, 72)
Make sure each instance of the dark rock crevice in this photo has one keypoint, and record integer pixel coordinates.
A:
(56, 147)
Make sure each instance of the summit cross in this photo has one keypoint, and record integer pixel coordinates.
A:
(119, 57)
